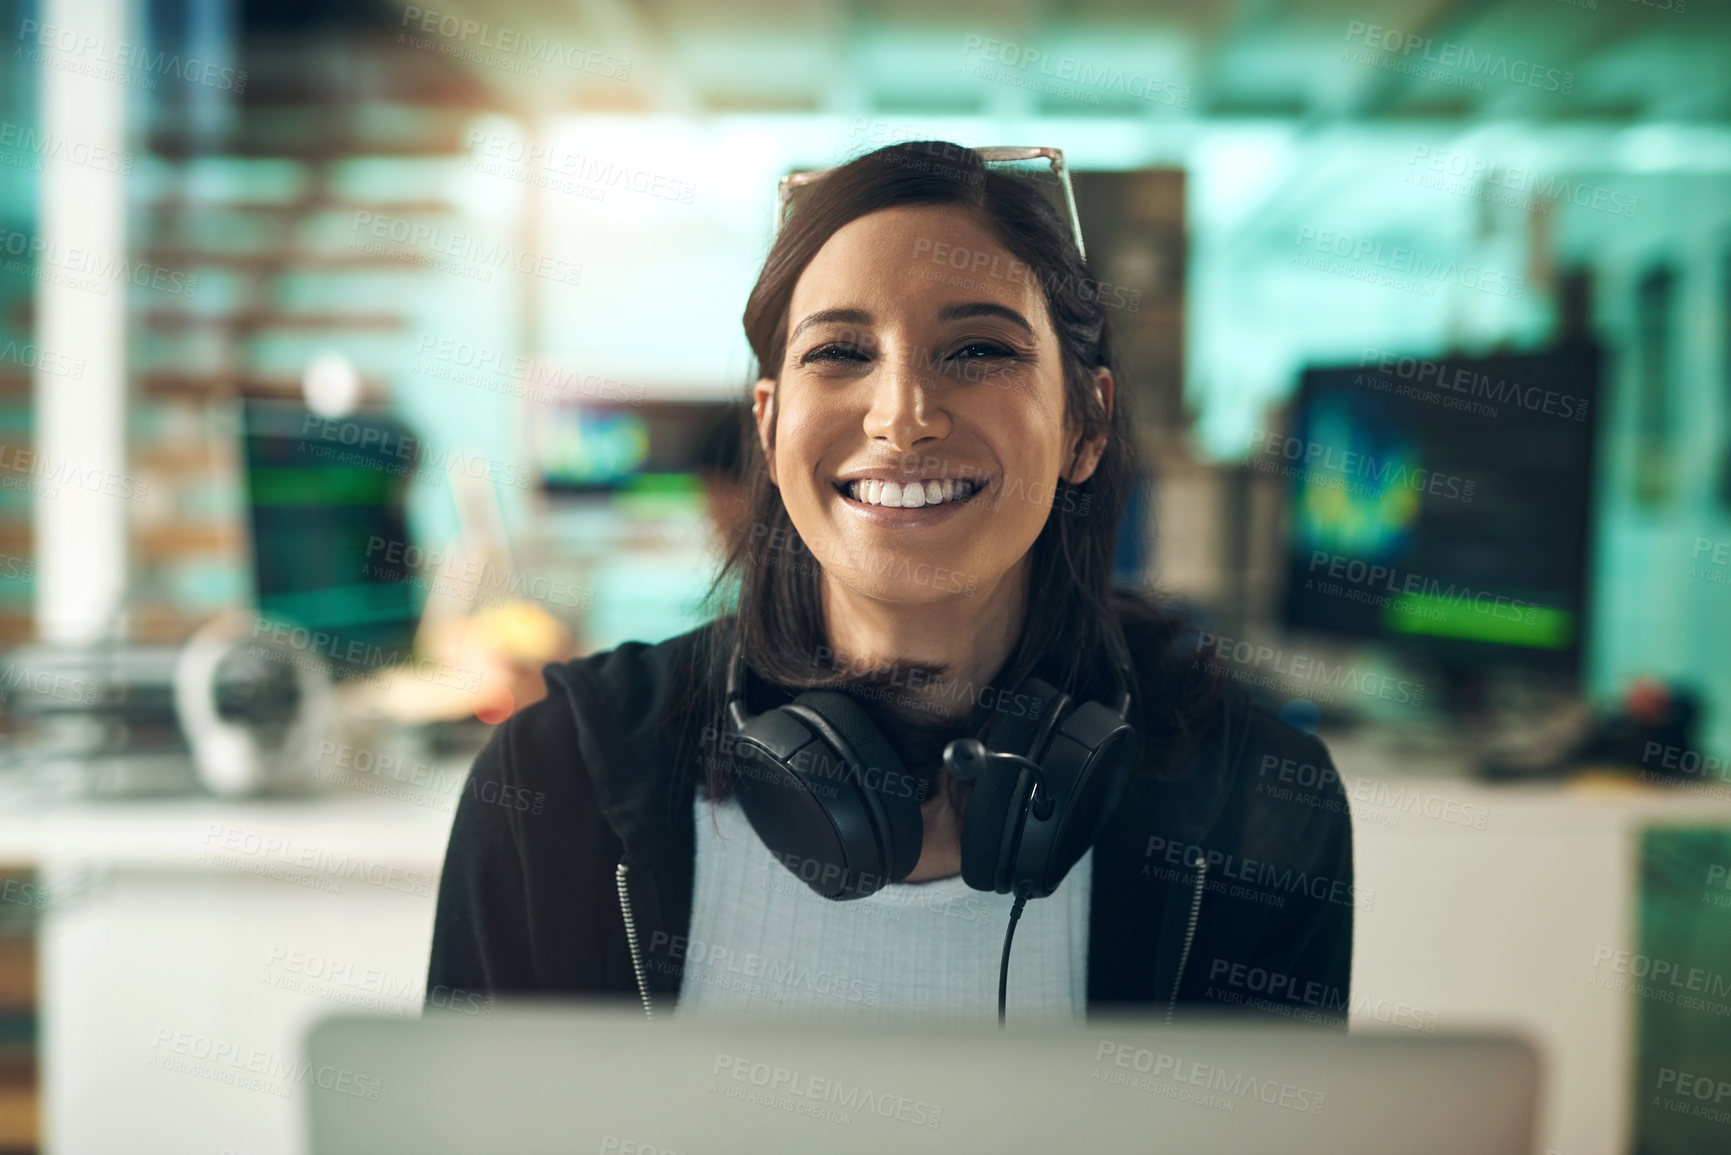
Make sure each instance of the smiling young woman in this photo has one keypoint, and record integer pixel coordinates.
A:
(937, 462)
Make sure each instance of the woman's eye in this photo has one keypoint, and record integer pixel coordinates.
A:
(981, 350)
(834, 353)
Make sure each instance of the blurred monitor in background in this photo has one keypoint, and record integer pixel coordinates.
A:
(329, 527)
(1444, 507)
(598, 449)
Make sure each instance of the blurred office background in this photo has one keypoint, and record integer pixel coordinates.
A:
(406, 340)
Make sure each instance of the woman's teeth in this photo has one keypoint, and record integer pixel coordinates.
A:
(912, 494)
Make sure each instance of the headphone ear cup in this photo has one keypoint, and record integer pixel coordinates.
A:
(983, 832)
(1013, 730)
(897, 792)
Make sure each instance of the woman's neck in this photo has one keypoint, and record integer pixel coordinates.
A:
(972, 636)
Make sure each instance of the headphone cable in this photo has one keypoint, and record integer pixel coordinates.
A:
(1009, 933)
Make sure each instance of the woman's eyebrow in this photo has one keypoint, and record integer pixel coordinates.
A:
(983, 309)
(843, 316)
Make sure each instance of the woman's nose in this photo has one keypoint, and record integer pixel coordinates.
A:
(906, 402)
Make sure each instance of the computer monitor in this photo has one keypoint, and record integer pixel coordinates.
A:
(322, 495)
(601, 448)
(1444, 506)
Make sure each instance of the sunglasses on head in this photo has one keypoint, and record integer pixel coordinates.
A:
(997, 154)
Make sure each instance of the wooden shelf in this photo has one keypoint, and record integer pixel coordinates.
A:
(256, 144)
(303, 207)
(177, 540)
(17, 627)
(205, 386)
(20, 1104)
(158, 624)
(181, 319)
(193, 459)
(17, 974)
(293, 259)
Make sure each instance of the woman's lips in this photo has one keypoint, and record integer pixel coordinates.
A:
(895, 516)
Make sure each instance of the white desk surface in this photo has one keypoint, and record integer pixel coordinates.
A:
(180, 831)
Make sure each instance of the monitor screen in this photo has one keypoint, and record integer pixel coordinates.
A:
(323, 494)
(1443, 505)
(601, 447)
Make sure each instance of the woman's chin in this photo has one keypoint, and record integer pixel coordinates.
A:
(909, 581)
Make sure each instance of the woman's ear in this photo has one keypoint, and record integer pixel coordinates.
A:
(1085, 453)
(763, 413)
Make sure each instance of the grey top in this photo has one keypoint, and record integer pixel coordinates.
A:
(762, 940)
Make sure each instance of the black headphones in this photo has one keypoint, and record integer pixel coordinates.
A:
(829, 796)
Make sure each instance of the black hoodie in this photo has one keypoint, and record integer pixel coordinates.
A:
(571, 858)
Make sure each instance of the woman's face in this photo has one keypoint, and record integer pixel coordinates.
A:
(908, 380)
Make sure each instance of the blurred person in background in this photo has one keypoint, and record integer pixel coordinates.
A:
(938, 465)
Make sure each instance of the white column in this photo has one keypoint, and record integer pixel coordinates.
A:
(83, 488)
